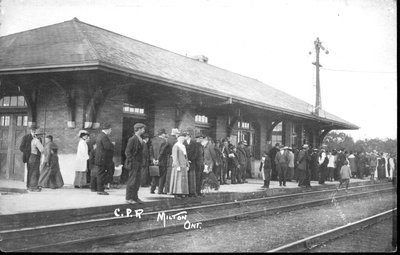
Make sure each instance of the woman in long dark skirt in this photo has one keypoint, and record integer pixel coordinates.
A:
(381, 167)
(50, 175)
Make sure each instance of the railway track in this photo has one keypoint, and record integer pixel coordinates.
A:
(312, 243)
(72, 235)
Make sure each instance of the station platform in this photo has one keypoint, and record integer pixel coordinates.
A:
(15, 199)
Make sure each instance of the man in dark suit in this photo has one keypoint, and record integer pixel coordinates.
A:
(191, 151)
(248, 159)
(134, 158)
(199, 163)
(103, 158)
(302, 167)
(241, 154)
(159, 157)
(282, 163)
(272, 154)
(25, 148)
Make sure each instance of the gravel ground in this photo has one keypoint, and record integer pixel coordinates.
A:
(261, 234)
(376, 238)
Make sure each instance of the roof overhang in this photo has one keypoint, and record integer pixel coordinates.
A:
(107, 67)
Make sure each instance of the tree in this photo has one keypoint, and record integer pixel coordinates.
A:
(335, 140)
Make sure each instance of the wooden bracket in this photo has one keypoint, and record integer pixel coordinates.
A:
(70, 98)
(271, 128)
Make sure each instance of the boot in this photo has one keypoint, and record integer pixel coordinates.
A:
(265, 185)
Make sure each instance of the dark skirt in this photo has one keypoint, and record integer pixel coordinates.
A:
(50, 175)
(168, 176)
(192, 181)
(80, 180)
(381, 172)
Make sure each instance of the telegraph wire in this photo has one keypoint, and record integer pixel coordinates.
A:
(356, 71)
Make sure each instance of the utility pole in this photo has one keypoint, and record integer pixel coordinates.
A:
(318, 46)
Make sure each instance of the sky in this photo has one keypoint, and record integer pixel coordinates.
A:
(269, 40)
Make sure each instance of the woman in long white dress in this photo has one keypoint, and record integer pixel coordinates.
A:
(179, 186)
(82, 156)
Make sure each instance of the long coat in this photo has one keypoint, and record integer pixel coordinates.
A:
(192, 154)
(209, 155)
(179, 178)
(302, 160)
(25, 147)
(241, 156)
(50, 175)
(158, 150)
(104, 150)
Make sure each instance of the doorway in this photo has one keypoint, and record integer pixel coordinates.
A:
(13, 127)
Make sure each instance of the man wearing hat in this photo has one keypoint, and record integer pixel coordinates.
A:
(32, 149)
(282, 163)
(199, 159)
(241, 153)
(25, 148)
(171, 140)
(341, 158)
(159, 157)
(302, 165)
(272, 154)
(191, 150)
(134, 158)
(248, 159)
(290, 175)
(103, 157)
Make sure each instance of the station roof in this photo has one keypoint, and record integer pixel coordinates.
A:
(74, 45)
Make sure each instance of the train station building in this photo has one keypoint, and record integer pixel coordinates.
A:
(72, 75)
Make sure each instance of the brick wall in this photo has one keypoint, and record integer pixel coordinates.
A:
(164, 116)
(221, 123)
(263, 136)
(187, 120)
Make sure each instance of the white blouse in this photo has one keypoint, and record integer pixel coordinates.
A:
(82, 155)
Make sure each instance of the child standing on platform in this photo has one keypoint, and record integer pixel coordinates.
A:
(345, 174)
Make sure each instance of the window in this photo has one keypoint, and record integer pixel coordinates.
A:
(277, 134)
(244, 125)
(5, 121)
(13, 101)
(22, 121)
(129, 108)
(201, 119)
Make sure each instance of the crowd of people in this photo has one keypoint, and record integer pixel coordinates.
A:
(183, 165)
(307, 164)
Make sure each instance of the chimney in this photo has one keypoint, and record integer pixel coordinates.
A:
(200, 58)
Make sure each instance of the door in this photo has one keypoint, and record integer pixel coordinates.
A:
(128, 131)
(13, 127)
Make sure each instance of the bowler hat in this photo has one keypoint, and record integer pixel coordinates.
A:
(34, 127)
(200, 136)
(106, 125)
